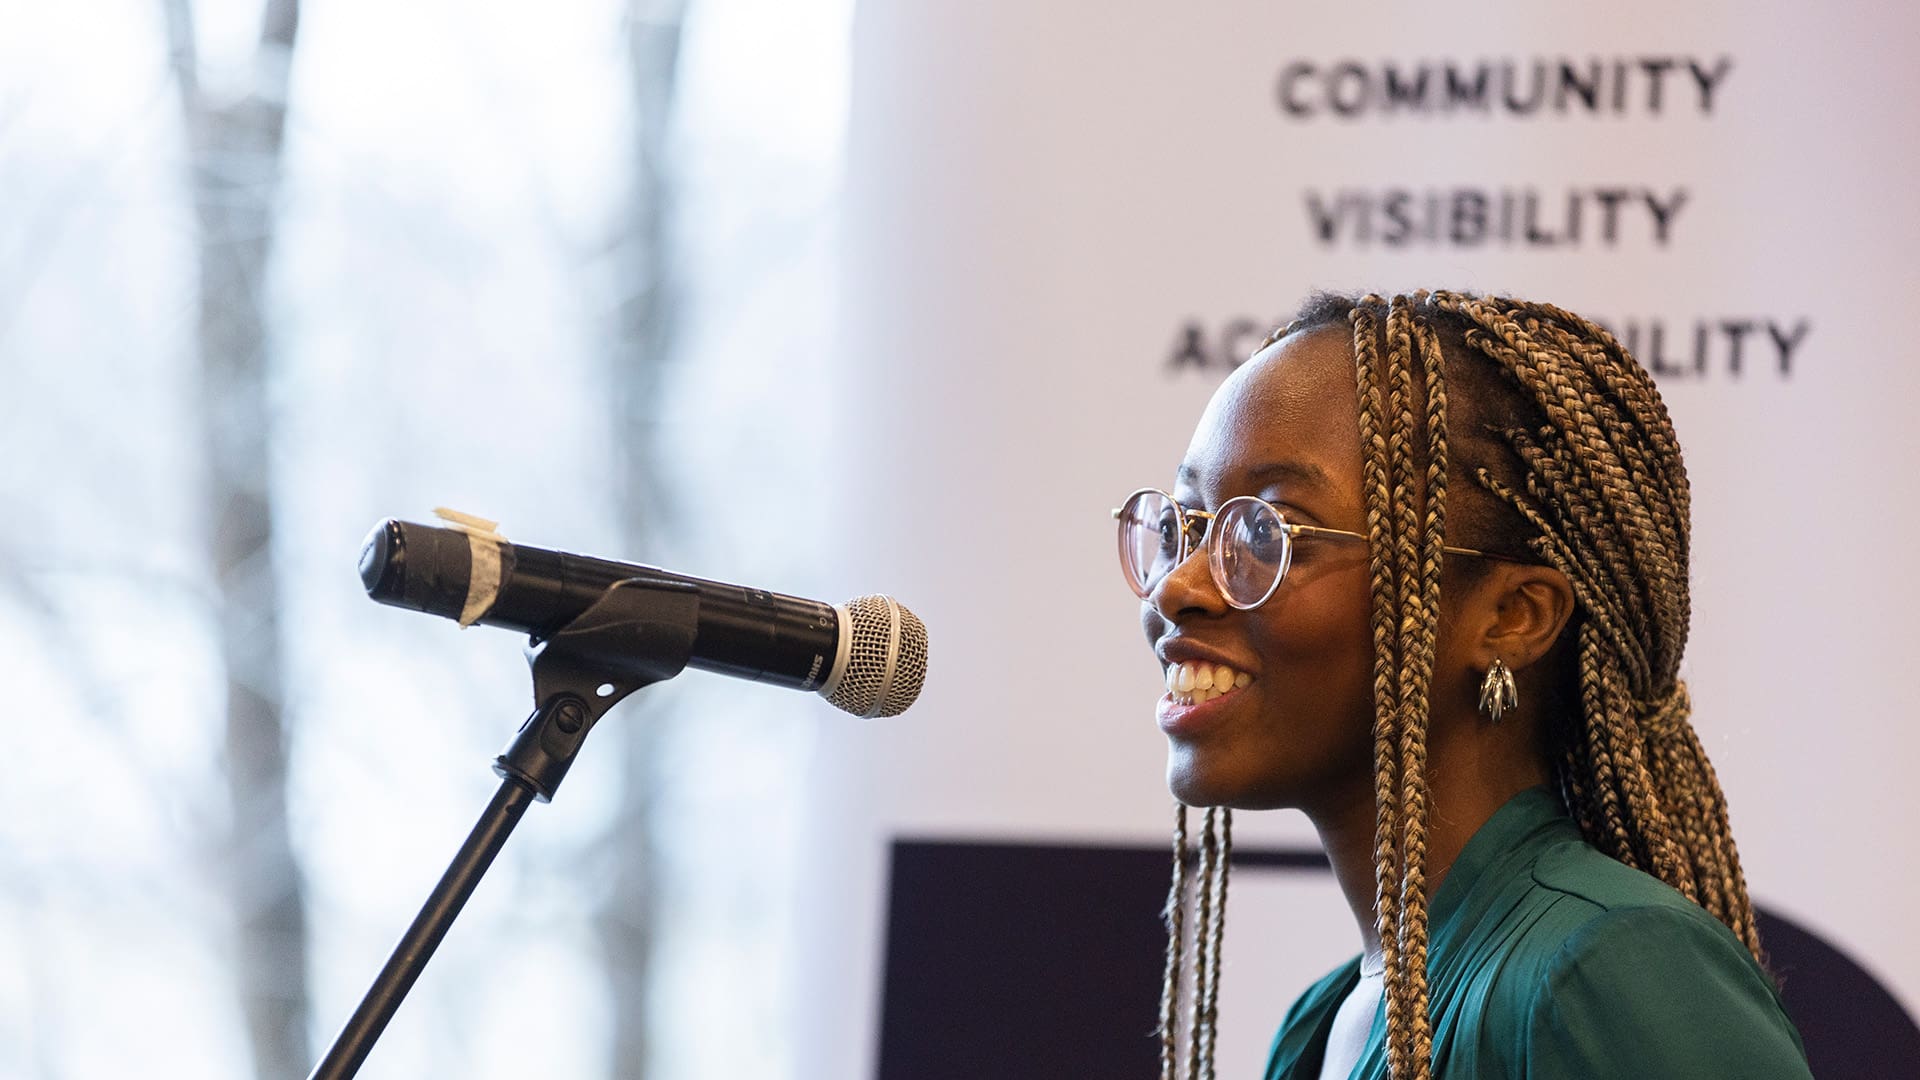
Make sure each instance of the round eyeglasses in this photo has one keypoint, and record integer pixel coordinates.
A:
(1249, 544)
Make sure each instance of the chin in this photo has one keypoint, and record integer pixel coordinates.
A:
(1196, 785)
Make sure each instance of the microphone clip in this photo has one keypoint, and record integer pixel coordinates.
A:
(639, 632)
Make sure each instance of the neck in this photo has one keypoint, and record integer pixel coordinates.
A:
(1464, 790)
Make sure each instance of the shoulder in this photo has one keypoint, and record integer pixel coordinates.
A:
(1627, 977)
(1577, 869)
(1569, 904)
(1608, 921)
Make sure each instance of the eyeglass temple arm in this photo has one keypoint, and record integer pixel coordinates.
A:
(1315, 530)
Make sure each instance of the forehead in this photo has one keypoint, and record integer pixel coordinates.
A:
(1288, 417)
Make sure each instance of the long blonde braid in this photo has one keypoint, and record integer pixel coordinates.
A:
(1405, 488)
(1210, 900)
(1612, 427)
(1595, 487)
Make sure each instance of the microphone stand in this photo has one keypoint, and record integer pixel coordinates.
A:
(639, 632)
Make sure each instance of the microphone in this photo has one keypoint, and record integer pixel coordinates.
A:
(867, 656)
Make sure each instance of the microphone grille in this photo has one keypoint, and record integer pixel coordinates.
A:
(886, 659)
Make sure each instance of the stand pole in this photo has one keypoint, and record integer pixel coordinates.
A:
(416, 946)
(638, 633)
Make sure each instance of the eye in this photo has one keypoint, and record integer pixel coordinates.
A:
(1265, 537)
(1169, 530)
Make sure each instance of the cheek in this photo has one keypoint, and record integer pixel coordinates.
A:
(1323, 617)
(1318, 651)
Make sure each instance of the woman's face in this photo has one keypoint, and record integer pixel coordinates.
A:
(1283, 427)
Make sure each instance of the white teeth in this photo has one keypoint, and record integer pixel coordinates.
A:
(1192, 683)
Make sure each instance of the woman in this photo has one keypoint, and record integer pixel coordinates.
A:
(1439, 606)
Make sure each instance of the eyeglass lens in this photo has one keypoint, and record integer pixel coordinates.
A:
(1248, 546)
(1252, 552)
(1150, 539)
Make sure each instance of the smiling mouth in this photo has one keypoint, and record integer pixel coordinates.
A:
(1193, 683)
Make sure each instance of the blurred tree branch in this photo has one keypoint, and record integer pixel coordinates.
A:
(235, 154)
(629, 918)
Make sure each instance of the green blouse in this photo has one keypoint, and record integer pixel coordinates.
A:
(1548, 959)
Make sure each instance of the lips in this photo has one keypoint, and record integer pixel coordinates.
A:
(1200, 689)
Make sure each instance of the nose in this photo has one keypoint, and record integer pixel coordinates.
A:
(1188, 589)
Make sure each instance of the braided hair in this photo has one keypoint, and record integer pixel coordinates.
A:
(1572, 458)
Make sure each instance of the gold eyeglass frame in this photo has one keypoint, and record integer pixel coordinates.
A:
(1189, 544)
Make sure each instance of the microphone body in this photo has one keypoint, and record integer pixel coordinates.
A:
(867, 657)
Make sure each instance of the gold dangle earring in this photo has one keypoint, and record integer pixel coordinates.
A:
(1497, 691)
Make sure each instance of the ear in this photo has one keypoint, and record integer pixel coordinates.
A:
(1520, 610)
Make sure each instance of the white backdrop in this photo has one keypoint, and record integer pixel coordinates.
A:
(1065, 220)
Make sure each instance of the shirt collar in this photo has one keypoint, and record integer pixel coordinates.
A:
(1517, 832)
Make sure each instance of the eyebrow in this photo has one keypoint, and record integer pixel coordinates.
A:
(1300, 473)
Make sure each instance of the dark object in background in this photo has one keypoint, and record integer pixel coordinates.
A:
(1026, 960)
